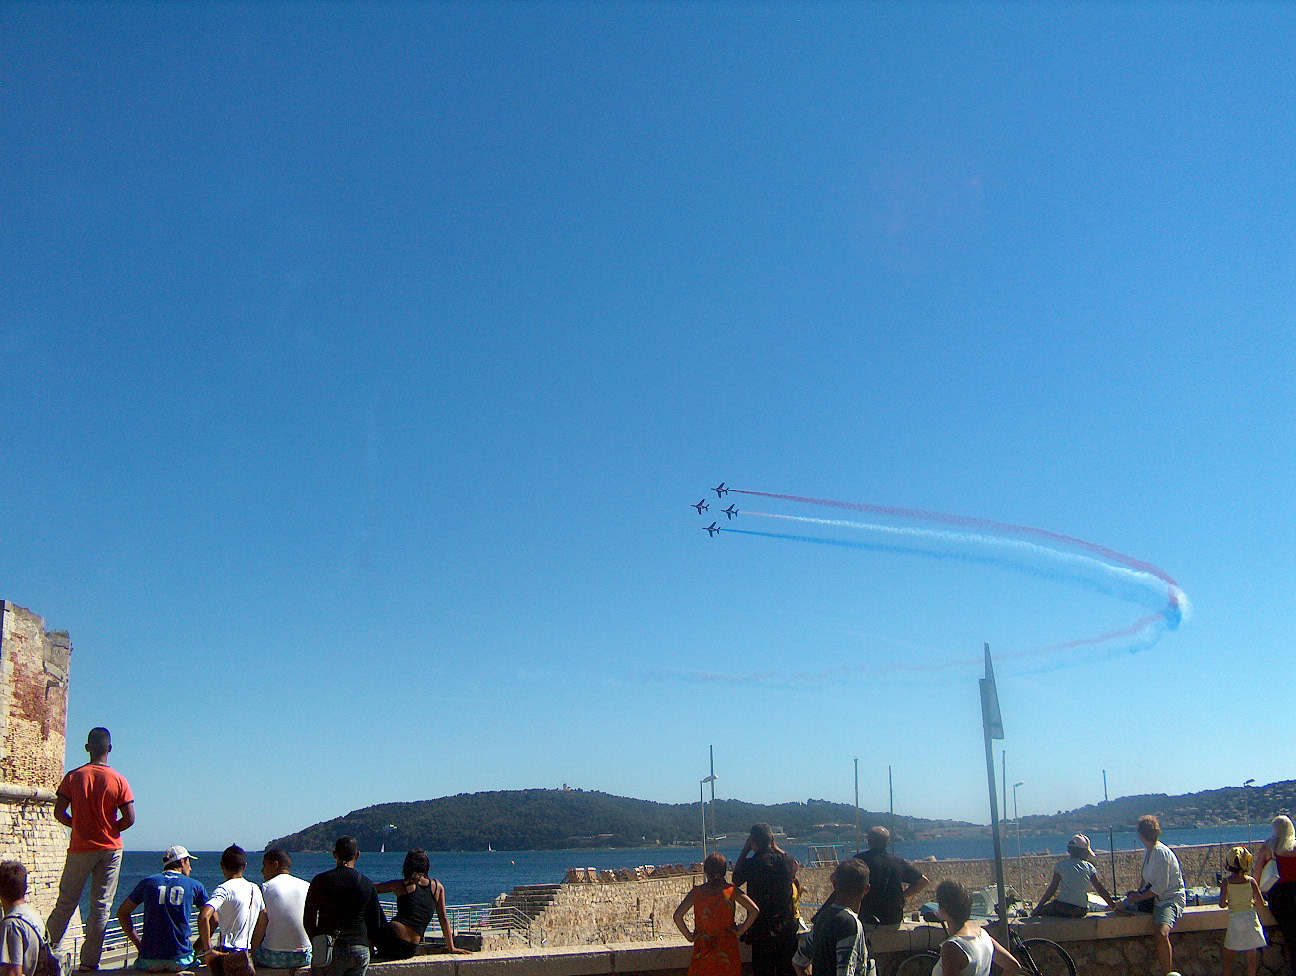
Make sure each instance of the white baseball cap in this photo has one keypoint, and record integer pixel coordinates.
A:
(174, 854)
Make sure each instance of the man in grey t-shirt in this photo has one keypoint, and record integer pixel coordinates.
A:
(21, 930)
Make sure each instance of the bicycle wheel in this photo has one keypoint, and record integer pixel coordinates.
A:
(1045, 958)
(919, 964)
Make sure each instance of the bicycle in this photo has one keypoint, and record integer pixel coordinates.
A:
(1038, 957)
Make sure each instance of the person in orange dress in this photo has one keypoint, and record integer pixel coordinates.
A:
(714, 934)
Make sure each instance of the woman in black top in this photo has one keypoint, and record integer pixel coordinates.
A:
(417, 896)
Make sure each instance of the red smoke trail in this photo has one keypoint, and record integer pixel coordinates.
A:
(991, 525)
(1132, 629)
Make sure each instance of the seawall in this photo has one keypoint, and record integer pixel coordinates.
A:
(1100, 946)
(636, 904)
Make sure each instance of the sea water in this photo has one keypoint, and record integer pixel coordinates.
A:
(472, 877)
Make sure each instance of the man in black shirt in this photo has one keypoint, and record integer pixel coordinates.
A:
(342, 904)
(891, 880)
(768, 871)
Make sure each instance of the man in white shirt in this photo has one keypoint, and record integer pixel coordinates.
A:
(235, 905)
(280, 940)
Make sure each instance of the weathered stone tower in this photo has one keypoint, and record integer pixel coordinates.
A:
(33, 738)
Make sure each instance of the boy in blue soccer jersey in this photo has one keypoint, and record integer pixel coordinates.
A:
(168, 900)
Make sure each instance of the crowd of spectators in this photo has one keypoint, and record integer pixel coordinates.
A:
(334, 925)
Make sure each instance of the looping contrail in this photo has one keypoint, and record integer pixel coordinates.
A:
(1023, 548)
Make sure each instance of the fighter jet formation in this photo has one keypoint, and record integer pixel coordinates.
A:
(701, 505)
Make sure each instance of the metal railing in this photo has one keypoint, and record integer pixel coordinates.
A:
(480, 917)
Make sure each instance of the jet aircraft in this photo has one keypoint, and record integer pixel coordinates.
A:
(712, 529)
(731, 511)
(720, 490)
(701, 506)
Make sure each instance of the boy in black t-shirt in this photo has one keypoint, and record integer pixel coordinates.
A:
(835, 944)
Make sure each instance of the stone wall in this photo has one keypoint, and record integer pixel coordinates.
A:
(1100, 947)
(613, 911)
(1107, 945)
(33, 737)
(632, 905)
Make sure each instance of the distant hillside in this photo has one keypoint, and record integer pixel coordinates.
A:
(556, 819)
(1232, 804)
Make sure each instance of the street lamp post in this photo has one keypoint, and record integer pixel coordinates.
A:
(702, 804)
(1017, 830)
(1246, 808)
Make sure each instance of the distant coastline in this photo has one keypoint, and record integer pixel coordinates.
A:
(569, 819)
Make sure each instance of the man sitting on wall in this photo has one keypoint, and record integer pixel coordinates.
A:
(280, 940)
(168, 899)
(1162, 894)
(236, 905)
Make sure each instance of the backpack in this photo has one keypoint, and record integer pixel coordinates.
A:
(47, 963)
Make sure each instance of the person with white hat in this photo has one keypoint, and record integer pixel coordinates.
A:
(168, 899)
(1072, 878)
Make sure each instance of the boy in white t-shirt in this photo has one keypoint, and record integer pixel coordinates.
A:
(280, 940)
(236, 905)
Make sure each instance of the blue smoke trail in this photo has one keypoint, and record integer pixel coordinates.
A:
(1144, 594)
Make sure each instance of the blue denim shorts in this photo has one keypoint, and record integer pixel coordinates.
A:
(187, 961)
(287, 959)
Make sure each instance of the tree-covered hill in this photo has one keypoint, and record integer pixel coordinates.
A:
(558, 819)
(1231, 804)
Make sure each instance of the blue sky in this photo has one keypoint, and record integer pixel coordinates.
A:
(362, 362)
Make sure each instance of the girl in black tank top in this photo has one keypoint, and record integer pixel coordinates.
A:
(418, 895)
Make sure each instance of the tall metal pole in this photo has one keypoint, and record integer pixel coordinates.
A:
(1021, 884)
(702, 807)
(712, 777)
(1003, 778)
(857, 825)
(702, 803)
(1246, 808)
(1111, 835)
(891, 791)
(994, 833)
(992, 727)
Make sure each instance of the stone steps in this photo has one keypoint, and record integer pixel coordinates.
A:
(532, 899)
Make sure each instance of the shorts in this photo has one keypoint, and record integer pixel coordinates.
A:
(1063, 909)
(187, 961)
(1167, 912)
(285, 959)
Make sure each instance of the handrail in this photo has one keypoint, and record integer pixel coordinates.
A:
(472, 917)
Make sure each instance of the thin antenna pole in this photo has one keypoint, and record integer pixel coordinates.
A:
(1111, 834)
(713, 779)
(857, 815)
(1003, 789)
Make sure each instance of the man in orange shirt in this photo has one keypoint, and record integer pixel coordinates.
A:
(96, 802)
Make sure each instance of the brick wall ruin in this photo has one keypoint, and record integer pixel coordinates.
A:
(33, 737)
